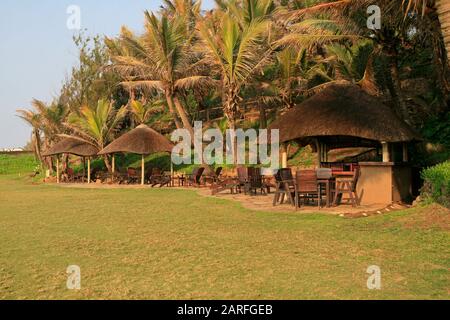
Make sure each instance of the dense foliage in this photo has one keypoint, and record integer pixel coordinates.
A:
(437, 183)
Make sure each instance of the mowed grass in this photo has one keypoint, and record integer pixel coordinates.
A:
(174, 244)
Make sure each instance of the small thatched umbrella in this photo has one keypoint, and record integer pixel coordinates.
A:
(75, 146)
(141, 140)
(343, 115)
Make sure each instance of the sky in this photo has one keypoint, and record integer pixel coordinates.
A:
(37, 51)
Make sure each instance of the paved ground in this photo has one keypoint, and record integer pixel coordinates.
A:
(265, 203)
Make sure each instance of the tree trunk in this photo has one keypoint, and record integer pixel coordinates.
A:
(262, 117)
(440, 53)
(65, 162)
(368, 82)
(183, 115)
(172, 110)
(107, 163)
(37, 145)
(443, 11)
(231, 109)
(396, 89)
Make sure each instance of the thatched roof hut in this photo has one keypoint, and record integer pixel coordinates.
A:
(72, 145)
(341, 115)
(141, 140)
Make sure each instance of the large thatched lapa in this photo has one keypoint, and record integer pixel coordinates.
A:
(339, 111)
(72, 145)
(343, 115)
(141, 140)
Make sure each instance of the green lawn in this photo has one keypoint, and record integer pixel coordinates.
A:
(16, 164)
(167, 244)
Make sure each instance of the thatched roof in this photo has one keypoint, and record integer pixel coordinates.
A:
(343, 109)
(141, 140)
(72, 145)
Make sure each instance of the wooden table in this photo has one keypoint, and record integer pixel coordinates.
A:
(346, 174)
(181, 180)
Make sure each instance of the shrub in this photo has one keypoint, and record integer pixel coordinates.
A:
(437, 183)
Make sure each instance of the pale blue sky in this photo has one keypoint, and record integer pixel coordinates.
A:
(37, 52)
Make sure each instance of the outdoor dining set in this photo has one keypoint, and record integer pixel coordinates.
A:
(323, 186)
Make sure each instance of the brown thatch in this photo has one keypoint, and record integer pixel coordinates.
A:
(141, 140)
(72, 145)
(343, 110)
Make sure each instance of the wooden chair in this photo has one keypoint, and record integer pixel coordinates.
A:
(70, 175)
(285, 186)
(325, 183)
(213, 177)
(347, 187)
(132, 176)
(255, 181)
(162, 180)
(153, 175)
(222, 184)
(242, 177)
(307, 187)
(194, 179)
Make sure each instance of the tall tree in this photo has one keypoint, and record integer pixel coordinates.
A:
(160, 60)
(97, 125)
(441, 7)
(236, 52)
(33, 119)
(46, 121)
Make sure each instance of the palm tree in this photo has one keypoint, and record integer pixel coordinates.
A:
(350, 62)
(247, 11)
(442, 8)
(33, 119)
(98, 125)
(46, 121)
(443, 12)
(186, 10)
(161, 60)
(235, 52)
(142, 111)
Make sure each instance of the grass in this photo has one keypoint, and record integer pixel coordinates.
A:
(170, 244)
(131, 245)
(15, 164)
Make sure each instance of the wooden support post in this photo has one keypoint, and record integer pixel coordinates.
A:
(143, 171)
(89, 170)
(84, 168)
(319, 153)
(385, 148)
(113, 164)
(284, 162)
(57, 169)
(113, 169)
(284, 155)
(322, 153)
(284, 158)
(171, 174)
(405, 152)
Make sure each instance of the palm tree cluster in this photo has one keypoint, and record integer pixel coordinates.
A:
(248, 57)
